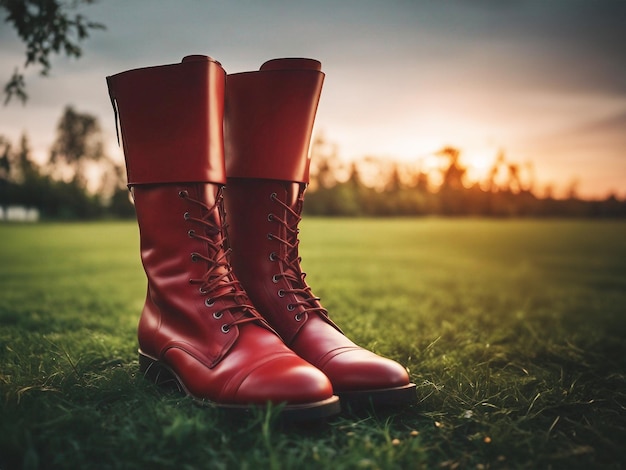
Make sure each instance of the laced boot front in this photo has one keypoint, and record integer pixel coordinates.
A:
(198, 328)
(269, 118)
(266, 258)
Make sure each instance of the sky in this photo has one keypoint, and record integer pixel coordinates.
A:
(542, 81)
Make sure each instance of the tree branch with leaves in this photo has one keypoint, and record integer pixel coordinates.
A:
(47, 28)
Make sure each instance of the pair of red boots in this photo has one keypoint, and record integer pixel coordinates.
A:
(229, 316)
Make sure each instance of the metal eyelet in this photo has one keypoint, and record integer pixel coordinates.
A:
(273, 196)
(273, 256)
(186, 216)
(183, 193)
(281, 293)
(225, 328)
(191, 233)
(195, 257)
(209, 302)
(270, 236)
(270, 217)
(203, 291)
(291, 307)
(297, 317)
(218, 315)
(275, 278)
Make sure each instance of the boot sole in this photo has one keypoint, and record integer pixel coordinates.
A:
(164, 376)
(387, 397)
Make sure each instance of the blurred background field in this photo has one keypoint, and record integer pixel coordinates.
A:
(512, 329)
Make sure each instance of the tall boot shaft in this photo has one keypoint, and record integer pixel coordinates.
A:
(267, 176)
(269, 119)
(171, 121)
(198, 327)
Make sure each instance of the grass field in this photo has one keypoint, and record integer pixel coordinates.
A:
(513, 330)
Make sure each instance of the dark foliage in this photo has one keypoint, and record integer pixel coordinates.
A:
(47, 28)
(388, 190)
(24, 183)
(394, 190)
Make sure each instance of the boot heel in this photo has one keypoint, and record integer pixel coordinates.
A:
(158, 373)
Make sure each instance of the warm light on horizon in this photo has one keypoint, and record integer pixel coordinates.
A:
(478, 162)
(547, 157)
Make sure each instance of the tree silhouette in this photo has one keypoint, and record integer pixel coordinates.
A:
(421, 182)
(5, 159)
(494, 171)
(79, 139)
(16, 165)
(47, 28)
(394, 182)
(453, 174)
(513, 183)
(323, 163)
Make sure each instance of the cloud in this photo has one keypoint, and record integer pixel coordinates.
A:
(568, 45)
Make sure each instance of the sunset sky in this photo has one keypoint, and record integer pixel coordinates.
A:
(544, 81)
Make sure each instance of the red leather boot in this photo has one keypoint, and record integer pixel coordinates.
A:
(268, 121)
(198, 328)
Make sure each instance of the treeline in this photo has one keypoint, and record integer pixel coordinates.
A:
(350, 199)
(67, 187)
(374, 187)
(59, 188)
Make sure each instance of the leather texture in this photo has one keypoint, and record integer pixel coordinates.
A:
(198, 324)
(270, 271)
(276, 104)
(266, 179)
(171, 121)
(215, 358)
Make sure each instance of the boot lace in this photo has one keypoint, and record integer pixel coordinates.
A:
(292, 271)
(218, 282)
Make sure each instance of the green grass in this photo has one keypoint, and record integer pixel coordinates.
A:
(514, 332)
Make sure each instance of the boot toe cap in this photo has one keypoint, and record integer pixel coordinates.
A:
(282, 377)
(358, 369)
(286, 379)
